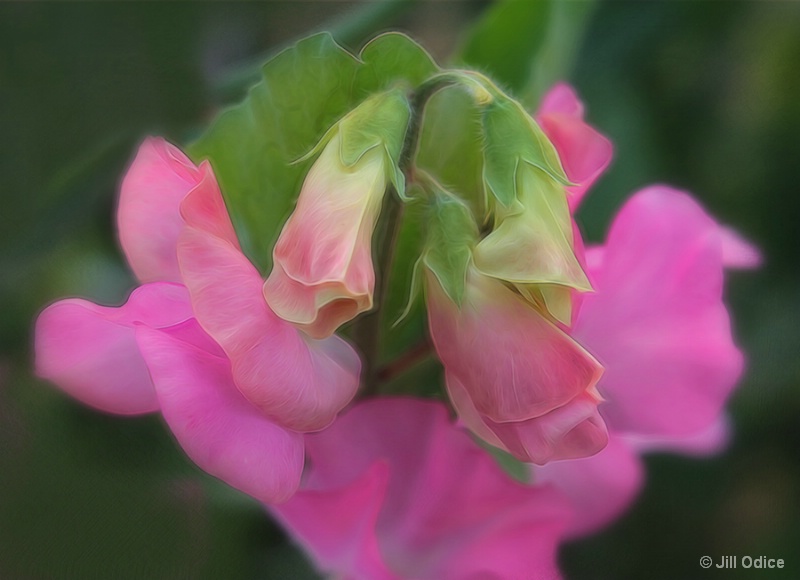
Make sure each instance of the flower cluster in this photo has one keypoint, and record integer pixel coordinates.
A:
(574, 359)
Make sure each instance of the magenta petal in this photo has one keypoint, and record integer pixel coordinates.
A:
(90, 351)
(561, 99)
(216, 426)
(710, 441)
(148, 215)
(738, 252)
(657, 322)
(338, 527)
(600, 488)
(448, 510)
(299, 382)
(584, 152)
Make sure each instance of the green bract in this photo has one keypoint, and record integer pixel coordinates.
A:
(452, 235)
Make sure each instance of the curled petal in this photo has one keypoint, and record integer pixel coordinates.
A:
(90, 351)
(513, 363)
(299, 382)
(571, 431)
(148, 215)
(657, 321)
(323, 273)
(600, 487)
(216, 426)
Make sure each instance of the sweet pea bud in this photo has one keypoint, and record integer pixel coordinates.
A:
(532, 243)
(323, 274)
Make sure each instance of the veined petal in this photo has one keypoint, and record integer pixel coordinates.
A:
(90, 351)
(574, 430)
(299, 382)
(514, 363)
(324, 274)
(148, 217)
(216, 426)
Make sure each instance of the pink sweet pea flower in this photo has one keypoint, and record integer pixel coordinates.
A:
(514, 377)
(235, 383)
(658, 325)
(323, 274)
(415, 497)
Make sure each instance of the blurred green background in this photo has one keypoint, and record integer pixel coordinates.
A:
(702, 95)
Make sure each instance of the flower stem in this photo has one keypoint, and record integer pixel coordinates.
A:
(367, 329)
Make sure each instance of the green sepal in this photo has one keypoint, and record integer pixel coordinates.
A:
(512, 137)
(452, 235)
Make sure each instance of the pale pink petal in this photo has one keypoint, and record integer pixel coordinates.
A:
(90, 351)
(148, 215)
(656, 320)
(600, 487)
(299, 382)
(584, 152)
(448, 511)
(571, 431)
(738, 252)
(514, 363)
(214, 424)
(324, 274)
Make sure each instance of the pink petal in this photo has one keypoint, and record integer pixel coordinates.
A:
(561, 99)
(514, 363)
(90, 351)
(323, 273)
(584, 152)
(217, 427)
(573, 430)
(299, 382)
(600, 487)
(738, 252)
(712, 440)
(147, 217)
(657, 322)
(338, 526)
(448, 510)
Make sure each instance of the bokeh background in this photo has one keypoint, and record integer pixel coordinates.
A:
(702, 95)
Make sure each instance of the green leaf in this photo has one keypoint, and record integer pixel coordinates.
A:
(506, 42)
(393, 56)
(512, 137)
(452, 234)
(305, 89)
(527, 45)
